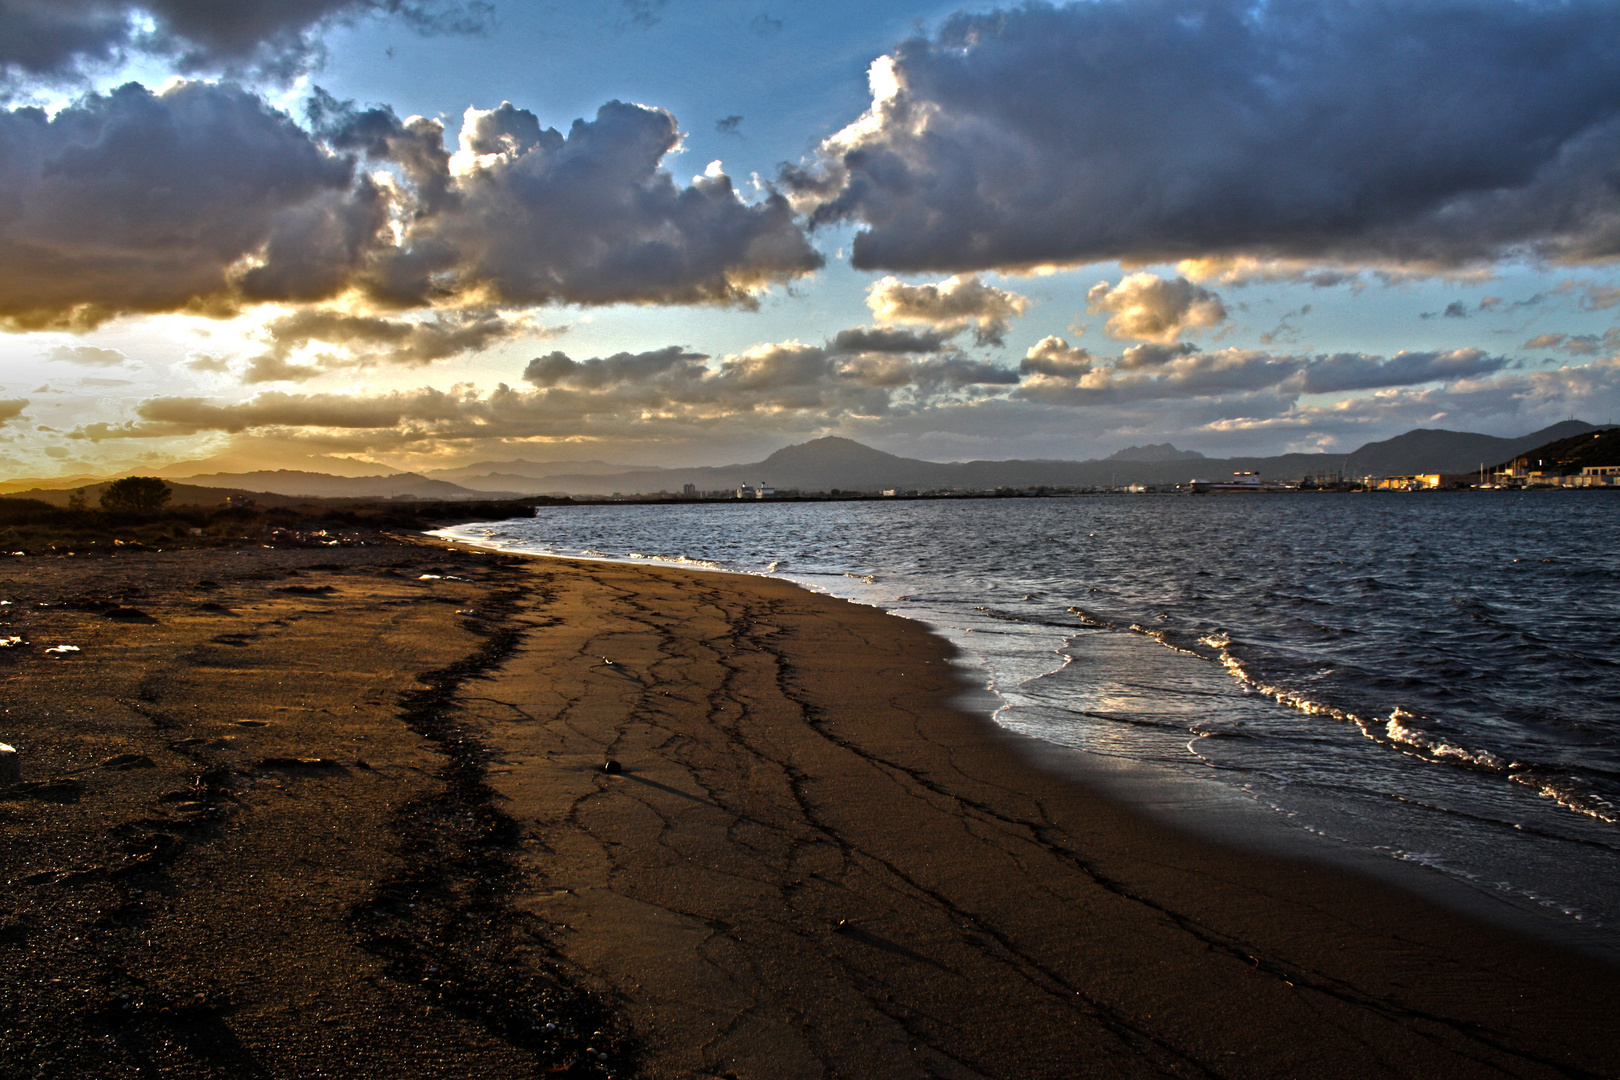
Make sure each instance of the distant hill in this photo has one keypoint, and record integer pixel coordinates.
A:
(1154, 452)
(243, 461)
(480, 473)
(1442, 451)
(834, 463)
(1572, 454)
(54, 483)
(324, 486)
(840, 464)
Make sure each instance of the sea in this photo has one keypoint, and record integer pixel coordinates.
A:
(1424, 685)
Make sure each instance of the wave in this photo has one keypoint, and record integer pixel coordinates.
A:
(1404, 731)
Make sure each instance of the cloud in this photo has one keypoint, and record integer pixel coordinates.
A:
(885, 339)
(88, 355)
(1421, 137)
(1510, 402)
(140, 202)
(366, 341)
(58, 38)
(203, 198)
(556, 369)
(728, 125)
(765, 25)
(1250, 270)
(207, 363)
(1600, 297)
(1454, 310)
(1286, 329)
(1146, 307)
(11, 408)
(1342, 372)
(1054, 356)
(1579, 344)
(645, 13)
(1055, 372)
(951, 305)
(790, 385)
(524, 215)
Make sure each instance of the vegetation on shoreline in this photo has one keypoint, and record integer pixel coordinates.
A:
(36, 527)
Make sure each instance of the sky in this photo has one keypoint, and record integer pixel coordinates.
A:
(337, 234)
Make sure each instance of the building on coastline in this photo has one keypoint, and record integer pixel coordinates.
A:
(1589, 477)
(1415, 482)
(1240, 482)
(763, 491)
(1422, 482)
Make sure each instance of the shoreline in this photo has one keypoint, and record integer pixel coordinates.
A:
(812, 862)
(1175, 800)
(372, 837)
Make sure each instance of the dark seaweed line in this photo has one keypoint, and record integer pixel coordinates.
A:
(444, 923)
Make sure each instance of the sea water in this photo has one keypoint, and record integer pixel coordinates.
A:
(1429, 679)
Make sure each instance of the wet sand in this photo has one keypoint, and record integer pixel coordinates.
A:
(374, 838)
(812, 864)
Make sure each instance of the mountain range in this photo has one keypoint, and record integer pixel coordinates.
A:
(834, 463)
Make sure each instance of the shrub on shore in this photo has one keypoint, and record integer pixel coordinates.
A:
(36, 527)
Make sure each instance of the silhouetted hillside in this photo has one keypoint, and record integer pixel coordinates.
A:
(1570, 455)
(1451, 451)
(311, 485)
(1154, 452)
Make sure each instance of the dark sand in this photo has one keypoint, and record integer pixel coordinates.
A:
(810, 865)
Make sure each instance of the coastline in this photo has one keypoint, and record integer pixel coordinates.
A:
(1177, 799)
(812, 861)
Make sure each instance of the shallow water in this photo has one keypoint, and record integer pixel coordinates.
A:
(1430, 678)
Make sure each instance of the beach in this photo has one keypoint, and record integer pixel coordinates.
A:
(343, 811)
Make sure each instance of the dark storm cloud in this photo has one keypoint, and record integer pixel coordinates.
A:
(1422, 135)
(204, 198)
(56, 37)
(532, 216)
(591, 218)
(140, 202)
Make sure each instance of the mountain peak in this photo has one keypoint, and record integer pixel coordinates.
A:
(828, 450)
(1154, 452)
